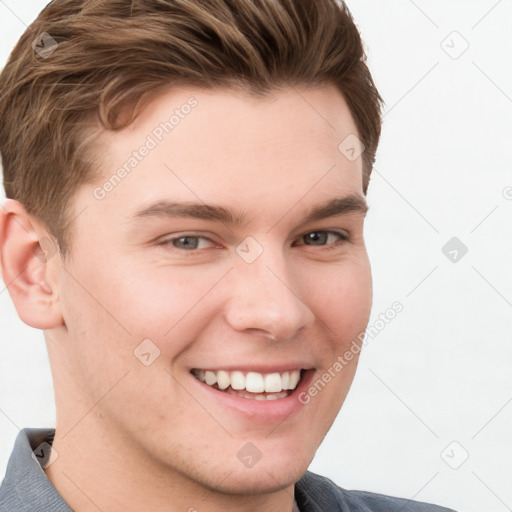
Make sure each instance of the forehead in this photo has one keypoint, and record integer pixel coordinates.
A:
(220, 146)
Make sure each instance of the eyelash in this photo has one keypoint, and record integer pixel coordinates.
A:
(343, 237)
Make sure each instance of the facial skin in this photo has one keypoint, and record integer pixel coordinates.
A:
(135, 437)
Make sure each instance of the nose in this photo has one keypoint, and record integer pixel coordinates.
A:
(265, 299)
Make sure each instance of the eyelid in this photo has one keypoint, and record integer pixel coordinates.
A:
(343, 234)
(167, 240)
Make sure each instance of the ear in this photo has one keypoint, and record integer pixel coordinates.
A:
(28, 258)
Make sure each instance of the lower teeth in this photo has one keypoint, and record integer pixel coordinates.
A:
(256, 396)
(253, 396)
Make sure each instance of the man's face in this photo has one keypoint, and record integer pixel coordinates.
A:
(206, 256)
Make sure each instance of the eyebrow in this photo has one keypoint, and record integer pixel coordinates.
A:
(338, 206)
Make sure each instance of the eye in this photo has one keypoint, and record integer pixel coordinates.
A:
(323, 238)
(187, 243)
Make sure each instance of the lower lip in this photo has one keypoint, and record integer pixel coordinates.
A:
(267, 411)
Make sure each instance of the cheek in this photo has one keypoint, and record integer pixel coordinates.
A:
(166, 300)
(124, 306)
(341, 296)
(142, 296)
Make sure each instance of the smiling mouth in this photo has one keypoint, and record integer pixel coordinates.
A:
(251, 385)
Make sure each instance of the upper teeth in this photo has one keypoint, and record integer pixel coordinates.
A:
(253, 382)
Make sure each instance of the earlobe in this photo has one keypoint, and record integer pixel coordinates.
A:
(25, 257)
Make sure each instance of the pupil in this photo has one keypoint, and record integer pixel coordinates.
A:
(186, 242)
(317, 238)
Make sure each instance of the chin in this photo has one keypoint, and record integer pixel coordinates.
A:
(260, 480)
(278, 468)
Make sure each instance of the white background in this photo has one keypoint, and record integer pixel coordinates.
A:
(441, 370)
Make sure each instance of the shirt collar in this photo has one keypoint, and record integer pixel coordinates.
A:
(26, 486)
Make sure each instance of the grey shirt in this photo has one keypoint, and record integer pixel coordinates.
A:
(26, 488)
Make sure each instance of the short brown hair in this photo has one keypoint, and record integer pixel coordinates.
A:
(116, 53)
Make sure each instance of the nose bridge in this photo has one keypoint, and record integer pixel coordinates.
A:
(264, 296)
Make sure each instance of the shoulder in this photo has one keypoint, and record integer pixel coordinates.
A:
(315, 493)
